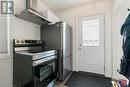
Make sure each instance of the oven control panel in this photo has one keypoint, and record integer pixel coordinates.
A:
(27, 43)
(20, 41)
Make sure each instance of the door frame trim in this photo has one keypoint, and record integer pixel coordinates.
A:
(107, 65)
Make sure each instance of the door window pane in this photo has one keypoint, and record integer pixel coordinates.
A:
(90, 29)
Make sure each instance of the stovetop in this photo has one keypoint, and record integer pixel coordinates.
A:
(34, 48)
(38, 54)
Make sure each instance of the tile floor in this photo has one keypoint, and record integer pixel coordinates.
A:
(59, 84)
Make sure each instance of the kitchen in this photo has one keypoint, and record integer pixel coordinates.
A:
(26, 25)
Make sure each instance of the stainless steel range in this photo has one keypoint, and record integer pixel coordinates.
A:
(32, 65)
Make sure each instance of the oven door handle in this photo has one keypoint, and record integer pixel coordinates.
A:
(38, 62)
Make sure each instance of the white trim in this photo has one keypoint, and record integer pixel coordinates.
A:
(8, 34)
(10, 26)
(76, 47)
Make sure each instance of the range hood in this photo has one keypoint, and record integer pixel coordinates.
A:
(31, 13)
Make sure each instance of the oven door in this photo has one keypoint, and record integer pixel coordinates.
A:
(45, 73)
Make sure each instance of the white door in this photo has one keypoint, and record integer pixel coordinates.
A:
(91, 44)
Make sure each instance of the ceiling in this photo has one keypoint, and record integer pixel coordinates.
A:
(57, 5)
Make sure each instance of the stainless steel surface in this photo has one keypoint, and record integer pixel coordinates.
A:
(33, 64)
(44, 54)
(32, 48)
(33, 4)
(66, 40)
(52, 83)
(38, 55)
(31, 14)
(37, 62)
(66, 51)
(59, 36)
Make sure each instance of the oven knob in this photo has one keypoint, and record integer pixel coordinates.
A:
(17, 41)
(34, 64)
(39, 42)
(22, 41)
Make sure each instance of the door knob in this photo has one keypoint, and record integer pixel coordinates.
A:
(80, 44)
(79, 48)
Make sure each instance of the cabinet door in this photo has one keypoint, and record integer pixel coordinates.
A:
(6, 73)
(3, 34)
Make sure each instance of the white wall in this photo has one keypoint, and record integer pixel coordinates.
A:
(25, 30)
(119, 15)
(102, 6)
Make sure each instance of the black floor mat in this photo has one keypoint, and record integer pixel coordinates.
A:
(81, 79)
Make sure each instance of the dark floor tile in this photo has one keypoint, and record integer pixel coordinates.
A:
(80, 79)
